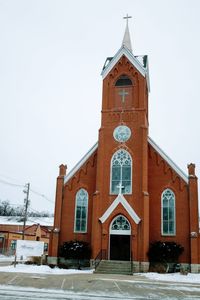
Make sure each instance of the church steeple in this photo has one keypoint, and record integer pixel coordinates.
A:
(127, 40)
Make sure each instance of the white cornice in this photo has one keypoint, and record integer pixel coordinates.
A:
(123, 51)
(120, 199)
(80, 163)
(168, 160)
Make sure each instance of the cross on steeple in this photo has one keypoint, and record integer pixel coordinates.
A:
(120, 187)
(123, 93)
(126, 18)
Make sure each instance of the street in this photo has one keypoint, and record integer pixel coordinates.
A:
(91, 286)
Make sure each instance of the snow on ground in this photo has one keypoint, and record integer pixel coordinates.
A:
(21, 268)
(174, 277)
(6, 258)
(14, 220)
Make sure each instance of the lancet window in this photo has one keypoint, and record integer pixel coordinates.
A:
(168, 212)
(121, 172)
(81, 211)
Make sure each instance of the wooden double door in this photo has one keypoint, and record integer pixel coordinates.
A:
(120, 247)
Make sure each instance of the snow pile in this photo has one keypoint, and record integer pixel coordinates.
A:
(21, 268)
(174, 277)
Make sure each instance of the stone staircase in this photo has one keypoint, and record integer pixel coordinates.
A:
(114, 267)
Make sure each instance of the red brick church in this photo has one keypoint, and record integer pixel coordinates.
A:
(126, 192)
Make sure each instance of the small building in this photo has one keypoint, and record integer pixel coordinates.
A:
(11, 230)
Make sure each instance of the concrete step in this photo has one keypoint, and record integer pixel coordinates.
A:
(114, 267)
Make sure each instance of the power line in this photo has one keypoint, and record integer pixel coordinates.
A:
(11, 184)
(42, 195)
(20, 185)
(10, 178)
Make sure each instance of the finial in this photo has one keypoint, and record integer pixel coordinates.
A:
(126, 40)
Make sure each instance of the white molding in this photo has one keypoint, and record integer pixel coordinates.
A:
(120, 199)
(151, 142)
(168, 160)
(123, 51)
(81, 162)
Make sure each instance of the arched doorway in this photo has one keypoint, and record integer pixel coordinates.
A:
(120, 233)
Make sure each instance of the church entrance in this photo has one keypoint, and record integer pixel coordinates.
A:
(120, 232)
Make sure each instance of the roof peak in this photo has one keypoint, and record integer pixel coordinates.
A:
(127, 40)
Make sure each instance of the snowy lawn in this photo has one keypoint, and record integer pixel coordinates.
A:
(21, 268)
(174, 277)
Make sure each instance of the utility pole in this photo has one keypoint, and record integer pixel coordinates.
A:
(26, 201)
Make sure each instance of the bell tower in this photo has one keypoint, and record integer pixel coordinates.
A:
(122, 166)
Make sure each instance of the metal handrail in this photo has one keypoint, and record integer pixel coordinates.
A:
(101, 255)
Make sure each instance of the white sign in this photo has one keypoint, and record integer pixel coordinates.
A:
(29, 248)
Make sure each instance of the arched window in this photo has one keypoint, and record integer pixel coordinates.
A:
(168, 212)
(121, 169)
(120, 225)
(81, 210)
(123, 80)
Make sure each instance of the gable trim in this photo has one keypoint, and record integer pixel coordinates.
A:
(81, 162)
(168, 160)
(123, 51)
(120, 199)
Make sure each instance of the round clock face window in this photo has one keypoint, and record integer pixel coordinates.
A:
(122, 133)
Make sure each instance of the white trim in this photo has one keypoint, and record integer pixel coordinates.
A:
(123, 51)
(81, 162)
(151, 142)
(120, 199)
(168, 160)
(78, 231)
(111, 193)
(162, 233)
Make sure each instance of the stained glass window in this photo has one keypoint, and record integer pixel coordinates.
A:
(121, 165)
(120, 223)
(168, 212)
(81, 211)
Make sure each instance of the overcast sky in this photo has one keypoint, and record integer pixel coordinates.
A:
(51, 57)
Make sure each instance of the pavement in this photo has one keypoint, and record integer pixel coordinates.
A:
(92, 286)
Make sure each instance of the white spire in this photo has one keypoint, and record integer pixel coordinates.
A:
(127, 40)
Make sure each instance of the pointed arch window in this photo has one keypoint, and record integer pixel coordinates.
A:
(123, 80)
(168, 212)
(121, 172)
(81, 211)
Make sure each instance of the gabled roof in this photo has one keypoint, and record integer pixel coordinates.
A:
(139, 62)
(81, 162)
(120, 199)
(151, 142)
(168, 160)
(123, 51)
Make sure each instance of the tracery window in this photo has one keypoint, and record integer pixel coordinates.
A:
(168, 212)
(120, 223)
(81, 211)
(121, 169)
